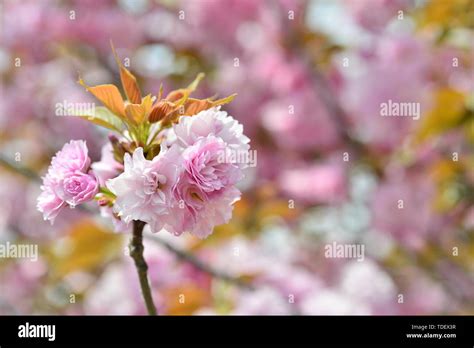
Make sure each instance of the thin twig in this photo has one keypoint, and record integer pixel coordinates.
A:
(136, 252)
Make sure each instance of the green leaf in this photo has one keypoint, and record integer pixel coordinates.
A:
(225, 100)
(105, 118)
(193, 85)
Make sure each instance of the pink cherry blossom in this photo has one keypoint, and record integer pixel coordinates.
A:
(73, 157)
(49, 203)
(204, 194)
(107, 167)
(206, 164)
(211, 121)
(79, 188)
(67, 181)
(143, 190)
(189, 186)
(199, 212)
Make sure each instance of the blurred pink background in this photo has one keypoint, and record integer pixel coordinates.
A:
(310, 77)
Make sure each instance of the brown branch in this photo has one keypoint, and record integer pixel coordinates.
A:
(136, 252)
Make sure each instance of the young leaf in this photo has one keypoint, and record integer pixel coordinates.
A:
(193, 106)
(193, 85)
(147, 103)
(108, 95)
(160, 110)
(175, 95)
(134, 113)
(225, 100)
(129, 82)
(105, 118)
(183, 93)
(160, 93)
(137, 113)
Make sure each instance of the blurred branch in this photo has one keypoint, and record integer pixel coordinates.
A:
(334, 108)
(181, 254)
(13, 166)
(293, 41)
(199, 264)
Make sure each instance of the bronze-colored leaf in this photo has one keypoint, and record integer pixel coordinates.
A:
(147, 104)
(130, 85)
(194, 106)
(183, 93)
(129, 82)
(135, 113)
(172, 117)
(176, 95)
(108, 95)
(160, 110)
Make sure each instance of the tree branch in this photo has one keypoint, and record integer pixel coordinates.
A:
(136, 252)
(27, 173)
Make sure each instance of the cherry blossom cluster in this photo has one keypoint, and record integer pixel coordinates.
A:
(169, 167)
